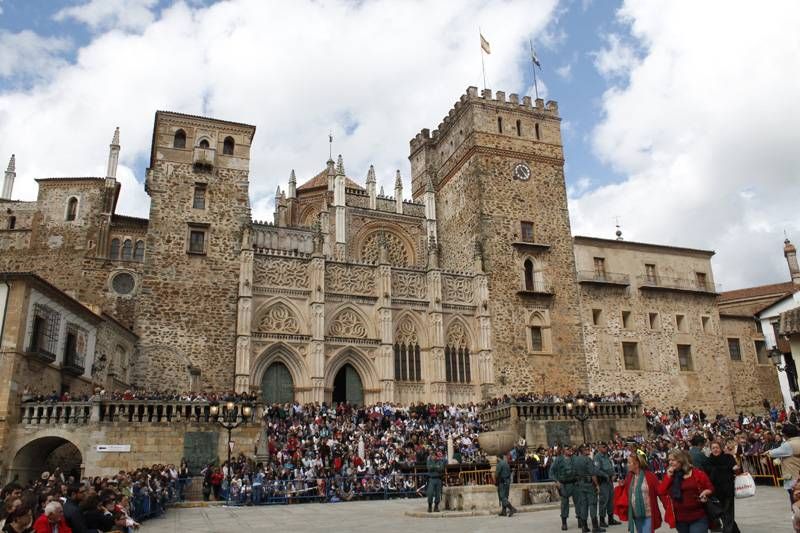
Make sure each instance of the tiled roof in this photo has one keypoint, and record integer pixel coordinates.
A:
(321, 180)
(775, 290)
(790, 322)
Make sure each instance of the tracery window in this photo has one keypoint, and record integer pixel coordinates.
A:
(456, 356)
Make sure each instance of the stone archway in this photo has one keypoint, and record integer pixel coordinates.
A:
(277, 385)
(45, 454)
(347, 386)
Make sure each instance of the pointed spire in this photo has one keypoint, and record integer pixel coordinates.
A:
(292, 177)
(381, 193)
(8, 179)
(371, 174)
(339, 166)
(429, 185)
(278, 192)
(398, 181)
(12, 164)
(115, 140)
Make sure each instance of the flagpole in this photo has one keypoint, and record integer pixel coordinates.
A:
(483, 68)
(533, 69)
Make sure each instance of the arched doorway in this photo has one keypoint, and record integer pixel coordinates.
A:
(277, 385)
(46, 454)
(347, 386)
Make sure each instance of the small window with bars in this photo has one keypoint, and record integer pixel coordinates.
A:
(537, 339)
(199, 199)
(44, 333)
(526, 231)
(735, 349)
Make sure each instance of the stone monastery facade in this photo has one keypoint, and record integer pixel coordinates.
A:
(473, 288)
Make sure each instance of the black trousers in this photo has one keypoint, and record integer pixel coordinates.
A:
(728, 522)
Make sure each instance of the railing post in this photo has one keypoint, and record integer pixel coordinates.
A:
(95, 412)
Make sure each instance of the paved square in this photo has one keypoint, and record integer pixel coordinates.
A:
(767, 511)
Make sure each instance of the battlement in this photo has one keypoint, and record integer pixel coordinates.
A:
(538, 108)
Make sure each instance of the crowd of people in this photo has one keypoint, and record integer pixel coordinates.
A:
(31, 395)
(547, 397)
(61, 502)
(345, 452)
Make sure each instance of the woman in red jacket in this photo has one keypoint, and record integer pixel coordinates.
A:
(687, 490)
(636, 499)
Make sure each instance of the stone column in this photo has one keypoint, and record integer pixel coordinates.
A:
(485, 360)
(438, 386)
(244, 314)
(316, 349)
(383, 287)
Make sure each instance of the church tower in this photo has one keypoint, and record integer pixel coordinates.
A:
(199, 217)
(497, 167)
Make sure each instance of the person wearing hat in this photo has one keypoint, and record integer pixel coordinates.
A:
(436, 467)
(605, 477)
(502, 478)
(563, 472)
(789, 455)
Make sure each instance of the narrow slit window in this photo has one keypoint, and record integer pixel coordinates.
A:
(500, 124)
(519, 128)
(536, 129)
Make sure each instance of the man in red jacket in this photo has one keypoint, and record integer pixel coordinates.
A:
(52, 521)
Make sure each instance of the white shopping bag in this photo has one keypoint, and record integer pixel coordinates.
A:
(745, 486)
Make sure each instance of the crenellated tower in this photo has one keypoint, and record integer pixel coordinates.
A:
(496, 169)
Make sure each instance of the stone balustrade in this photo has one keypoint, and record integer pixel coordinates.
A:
(509, 414)
(122, 411)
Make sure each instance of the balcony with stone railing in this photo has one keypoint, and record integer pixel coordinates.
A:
(595, 277)
(509, 414)
(691, 285)
(121, 411)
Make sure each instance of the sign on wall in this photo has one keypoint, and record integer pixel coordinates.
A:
(119, 448)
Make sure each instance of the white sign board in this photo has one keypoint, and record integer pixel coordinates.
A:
(114, 448)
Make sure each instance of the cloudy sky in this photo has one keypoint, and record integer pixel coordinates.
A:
(680, 118)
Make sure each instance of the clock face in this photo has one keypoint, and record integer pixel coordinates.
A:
(522, 172)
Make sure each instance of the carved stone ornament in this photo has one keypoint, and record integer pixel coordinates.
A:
(281, 273)
(457, 289)
(350, 279)
(279, 319)
(406, 333)
(396, 252)
(456, 336)
(409, 285)
(348, 324)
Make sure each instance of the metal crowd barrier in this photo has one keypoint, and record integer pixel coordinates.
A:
(761, 467)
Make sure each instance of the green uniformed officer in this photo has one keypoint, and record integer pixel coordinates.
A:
(502, 476)
(587, 486)
(436, 468)
(563, 472)
(605, 478)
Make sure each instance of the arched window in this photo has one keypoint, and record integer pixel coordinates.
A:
(127, 250)
(138, 251)
(114, 253)
(180, 139)
(204, 144)
(227, 146)
(529, 275)
(407, 362)
(456, 356)
(72, 209)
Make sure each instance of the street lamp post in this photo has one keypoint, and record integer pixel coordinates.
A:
(228, 417)
(581, 410)
(777, 359)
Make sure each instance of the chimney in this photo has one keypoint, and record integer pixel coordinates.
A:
(790, 253)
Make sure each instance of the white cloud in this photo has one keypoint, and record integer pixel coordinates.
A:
(103, 14)
(25, 54)
(617, 59)
(293, 69)
(710, 112)
(565, 71)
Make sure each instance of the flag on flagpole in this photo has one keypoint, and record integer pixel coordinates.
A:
(485, 44)
(535, 59)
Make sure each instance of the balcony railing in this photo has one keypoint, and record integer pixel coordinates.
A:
(41, 354)
(204, 157)
(541, 288)
(603, 278)
(677, 284)
(504, 414)
(73, 364)
(121, 411)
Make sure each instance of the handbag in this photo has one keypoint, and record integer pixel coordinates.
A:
(745, 486)
(713, 508)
